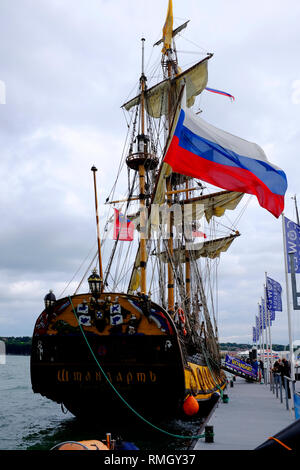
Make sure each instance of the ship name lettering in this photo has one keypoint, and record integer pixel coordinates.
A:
(87, 376)
(63, 375)
(141, 377)
(119, 377)
(77, 376)
(98, 376)
(109, 376)
(129, 377)
(152, 376)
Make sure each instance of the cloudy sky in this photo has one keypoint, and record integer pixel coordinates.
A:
(66, 67)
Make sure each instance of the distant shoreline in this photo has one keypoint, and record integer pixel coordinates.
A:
(17, 346)
(21, 346)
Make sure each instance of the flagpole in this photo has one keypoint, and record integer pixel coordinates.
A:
(258, 329)
(94, 169)
(256, 336)
(264, 345)
(267, 336)
(269, 322)
(261, 320)
(260, 342)
(296, 207)
(288, 301)
(257, 341)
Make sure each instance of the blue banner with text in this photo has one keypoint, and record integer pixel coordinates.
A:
(241, 366)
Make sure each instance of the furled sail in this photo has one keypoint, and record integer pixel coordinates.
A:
(209, 205)
(210, 249)
(217, 203)
(156, 98)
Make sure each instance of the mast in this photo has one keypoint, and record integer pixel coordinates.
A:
(167, 64)
(143, 255)
(187, 264)
(141, 160)
(94, 169)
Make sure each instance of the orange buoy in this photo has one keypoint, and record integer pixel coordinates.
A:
(190, 406)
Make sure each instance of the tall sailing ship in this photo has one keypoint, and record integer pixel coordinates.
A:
(151, 345)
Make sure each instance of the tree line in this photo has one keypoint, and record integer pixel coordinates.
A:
(22, 345)
(17, 345)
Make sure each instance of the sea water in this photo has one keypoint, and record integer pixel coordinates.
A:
(29, 421)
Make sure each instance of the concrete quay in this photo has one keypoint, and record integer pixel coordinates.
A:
(251, 416)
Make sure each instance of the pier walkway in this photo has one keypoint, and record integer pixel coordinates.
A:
(251, 416)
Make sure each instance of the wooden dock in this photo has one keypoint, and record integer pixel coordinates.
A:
(251, 416)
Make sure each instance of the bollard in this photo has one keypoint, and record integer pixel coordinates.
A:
(209, 434)
(231, 383)
(225, 398)
(286, 393)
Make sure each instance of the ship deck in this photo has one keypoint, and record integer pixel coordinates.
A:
(252, 415)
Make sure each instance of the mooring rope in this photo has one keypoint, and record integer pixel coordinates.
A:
(120, 396)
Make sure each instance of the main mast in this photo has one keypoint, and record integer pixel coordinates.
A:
(169, 65)
(141, 160)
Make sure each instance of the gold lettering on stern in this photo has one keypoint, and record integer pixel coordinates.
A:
(63, 375)
(88, 377)
(141, 377)
(152, 376)
(129, 378)
(119, 377)
(98, 376)
(77, 376)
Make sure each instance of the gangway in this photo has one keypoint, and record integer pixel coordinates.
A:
(239, 373)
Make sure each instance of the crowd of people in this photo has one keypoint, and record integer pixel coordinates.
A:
(281, 366)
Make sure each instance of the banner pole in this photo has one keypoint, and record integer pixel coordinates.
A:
(261, 319)
(266, 331)
(288, 301)
(269, 322)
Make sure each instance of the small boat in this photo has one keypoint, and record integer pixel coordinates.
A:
(108, 445)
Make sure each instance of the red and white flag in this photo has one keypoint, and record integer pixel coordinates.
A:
(123, 227)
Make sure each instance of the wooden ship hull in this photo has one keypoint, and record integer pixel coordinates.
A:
(95, 356)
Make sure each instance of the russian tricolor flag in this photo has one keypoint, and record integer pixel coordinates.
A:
(202, 151)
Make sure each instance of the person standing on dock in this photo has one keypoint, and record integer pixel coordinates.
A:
(277, 368)
(261, 367)
(286, 372)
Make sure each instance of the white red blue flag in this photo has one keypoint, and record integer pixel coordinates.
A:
(202, 151)
(220, 92)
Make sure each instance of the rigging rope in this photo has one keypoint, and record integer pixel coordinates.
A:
(77, 271)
